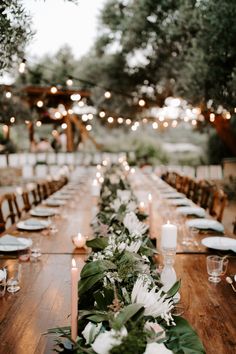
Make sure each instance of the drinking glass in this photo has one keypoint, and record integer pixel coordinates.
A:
(193, 233)
(13, 283)
(214, 268)
(36, 250)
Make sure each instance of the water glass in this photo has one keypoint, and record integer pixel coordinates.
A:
(13, 283)
(215, 268)
(36, 250)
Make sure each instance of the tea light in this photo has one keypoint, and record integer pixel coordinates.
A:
(168, 236)
(142, 207)
(79, 240)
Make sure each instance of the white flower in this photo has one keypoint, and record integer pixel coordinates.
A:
(3, 274)
(91, 331)
(131, 206)
(124, 196)
(132, 223)
(116, 204)
(154, 348)
(122, 246)
(107, 340)
(154, 303)
(134, 246)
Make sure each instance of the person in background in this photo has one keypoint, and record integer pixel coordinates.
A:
(43, 145)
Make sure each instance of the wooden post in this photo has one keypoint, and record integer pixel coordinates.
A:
(69, 134)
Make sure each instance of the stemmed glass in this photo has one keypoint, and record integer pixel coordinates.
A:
(214, 268)
(13, 283)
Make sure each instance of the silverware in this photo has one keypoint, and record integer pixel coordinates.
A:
(230, 281)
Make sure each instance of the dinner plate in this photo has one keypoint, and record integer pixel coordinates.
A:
(54, 202)
(172, 195)
(9, 243)
(220, 243)
(180, 202)
(206, 224)
(187, 210)
(32, 225)
(42, 212)
(61, 197)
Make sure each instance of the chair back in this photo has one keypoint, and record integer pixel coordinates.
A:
(9, 211)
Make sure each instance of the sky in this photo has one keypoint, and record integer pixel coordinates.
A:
(58, 22)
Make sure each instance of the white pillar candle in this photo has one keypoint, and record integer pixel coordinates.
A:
(168, 236)
(79, 240)
(95, 188)
(74, 300)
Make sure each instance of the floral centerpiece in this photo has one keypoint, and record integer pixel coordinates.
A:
(122, 305)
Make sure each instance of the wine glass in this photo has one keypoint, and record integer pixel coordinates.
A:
(214, 268)
(13, 284)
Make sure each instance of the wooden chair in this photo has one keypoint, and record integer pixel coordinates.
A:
(218, 203)
(9, 210)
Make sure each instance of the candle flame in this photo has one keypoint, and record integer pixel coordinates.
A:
(149, 197)
(79, 236)
(95, 182)
(73, 263)
(168, 221)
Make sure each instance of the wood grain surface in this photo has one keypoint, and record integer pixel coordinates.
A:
(44, 299)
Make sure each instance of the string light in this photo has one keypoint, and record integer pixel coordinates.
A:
(39, 104)
(165, 124)
(84, 117)
(64, 113)
(22, 67)
(102, 114)
(174, 123)
(110, 120)
(155, 125)
(81, 104)
(120, 120)
(134, 128)
(145, 120)
(26, 122)
(53, 89)
(90, 116)
(38, 123)
(75, 97)
(141, 103)
(8, 94)
(194, 122)
(212, 117)
(128, 121)
(63, 125)
(227, 115)
(89, 127)
(12, 119)
(69, 82)
(70, 111)
(57, 115)
(107, 94)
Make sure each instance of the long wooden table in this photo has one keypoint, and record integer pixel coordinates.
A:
(44, 299)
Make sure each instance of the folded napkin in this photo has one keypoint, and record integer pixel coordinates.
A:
(180, 201)
(206, 224)
(197, 211)
(8, 240)
(32, 222)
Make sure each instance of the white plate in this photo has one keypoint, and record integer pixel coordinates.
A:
(42, 212)
(35, 226)
(9, 243)
(206, 224)
(180, 201)
(54, 202)
(197, 211)
(220, 243)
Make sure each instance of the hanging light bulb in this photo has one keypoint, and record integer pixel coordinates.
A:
(64, 126)
(120, 120)
(12, 119)
(8, 94)
(38, 123)
(107, 94)
(53, 89)
(110, 119)
(69, 82)
(155, 125)
(89, 127)
(39, 104)
(141, 103)
(102, 114)
(22, 66)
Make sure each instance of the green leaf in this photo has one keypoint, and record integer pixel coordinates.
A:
(98, 243)
(173, 290)
(96, 267)
(127, 313)
(183, 339)
(87, 283)
(104, 298)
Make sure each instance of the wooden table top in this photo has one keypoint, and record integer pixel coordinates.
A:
(44, 299)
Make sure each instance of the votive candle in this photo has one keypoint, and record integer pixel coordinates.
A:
(168, 236)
